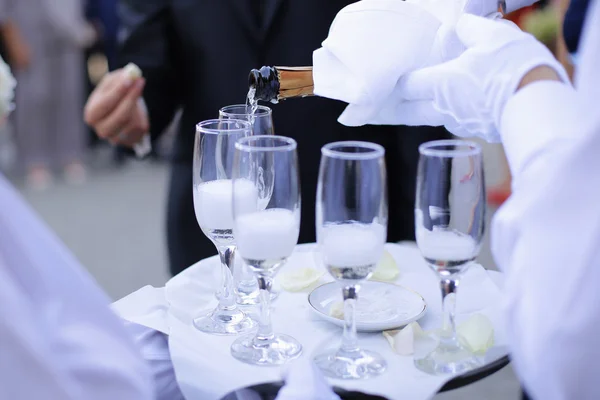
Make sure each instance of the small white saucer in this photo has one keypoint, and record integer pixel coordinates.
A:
(381, 306)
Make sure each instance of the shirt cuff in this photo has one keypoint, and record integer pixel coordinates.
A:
(536, 117)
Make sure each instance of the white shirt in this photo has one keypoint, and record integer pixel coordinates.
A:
(546, 237)
(58, 337)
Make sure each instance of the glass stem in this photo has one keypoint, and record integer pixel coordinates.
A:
(349, 339)
(226, 294)
(265, 329)
(448, 334)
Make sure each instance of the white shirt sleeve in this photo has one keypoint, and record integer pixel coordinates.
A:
(546, 237)
(59, 339)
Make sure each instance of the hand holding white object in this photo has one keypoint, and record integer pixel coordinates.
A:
(467, 94)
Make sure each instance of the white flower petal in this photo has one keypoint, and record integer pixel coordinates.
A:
(297, 279)
(403, 340)
(337, 310)
(387, 268)
(476, 333)
(133, 71)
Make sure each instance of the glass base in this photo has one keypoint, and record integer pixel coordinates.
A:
(276, 351)
(252, 298)
(448, 359)
(225, 322)
(360, 364)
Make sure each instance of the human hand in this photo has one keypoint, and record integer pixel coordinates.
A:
(115, 109)
(467, 95)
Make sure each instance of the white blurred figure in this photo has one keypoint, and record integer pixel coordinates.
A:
(60, 339)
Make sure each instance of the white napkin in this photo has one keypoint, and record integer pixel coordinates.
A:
(206, 370)
(146, 306)
(305, 381)
(373, 43)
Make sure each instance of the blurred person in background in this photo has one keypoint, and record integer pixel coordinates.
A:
(14, 48)
(101, 57)
(197, 56)
(558, 25)
(573, 26)
(60, 338)
(103, 14)
(15, 51)
(49, 129)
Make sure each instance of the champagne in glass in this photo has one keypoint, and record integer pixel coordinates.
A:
(449, 223)
(266, 233)
(352, 214)
(261, 119)
(213, 191)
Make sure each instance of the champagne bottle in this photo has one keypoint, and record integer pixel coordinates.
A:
(280, 83)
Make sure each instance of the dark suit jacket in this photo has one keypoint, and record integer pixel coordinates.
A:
(196, 54)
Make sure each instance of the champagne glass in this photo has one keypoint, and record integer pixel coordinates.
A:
(449, 223)
(246, 287)
(213, 187)
(261, 120)
(266, 233)
(352, 214)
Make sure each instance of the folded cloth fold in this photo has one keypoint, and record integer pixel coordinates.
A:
(147, 307)
(373, 43)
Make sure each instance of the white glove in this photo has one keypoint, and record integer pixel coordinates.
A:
(448, 11)
(305, 381)
(467, 95)
(371, 44)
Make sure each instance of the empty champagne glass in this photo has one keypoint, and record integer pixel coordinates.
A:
(449, 223)
(213, 187)
(266, 232)
(351, 219)
(246, 287)
(261, 120)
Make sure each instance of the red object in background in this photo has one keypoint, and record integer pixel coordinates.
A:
(496, 197)
(499, 194)
(517, 16)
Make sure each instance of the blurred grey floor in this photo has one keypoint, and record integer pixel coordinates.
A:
(115, 222)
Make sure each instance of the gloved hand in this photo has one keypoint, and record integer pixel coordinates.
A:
(449, 11)
(467, 94)
(370, 45)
